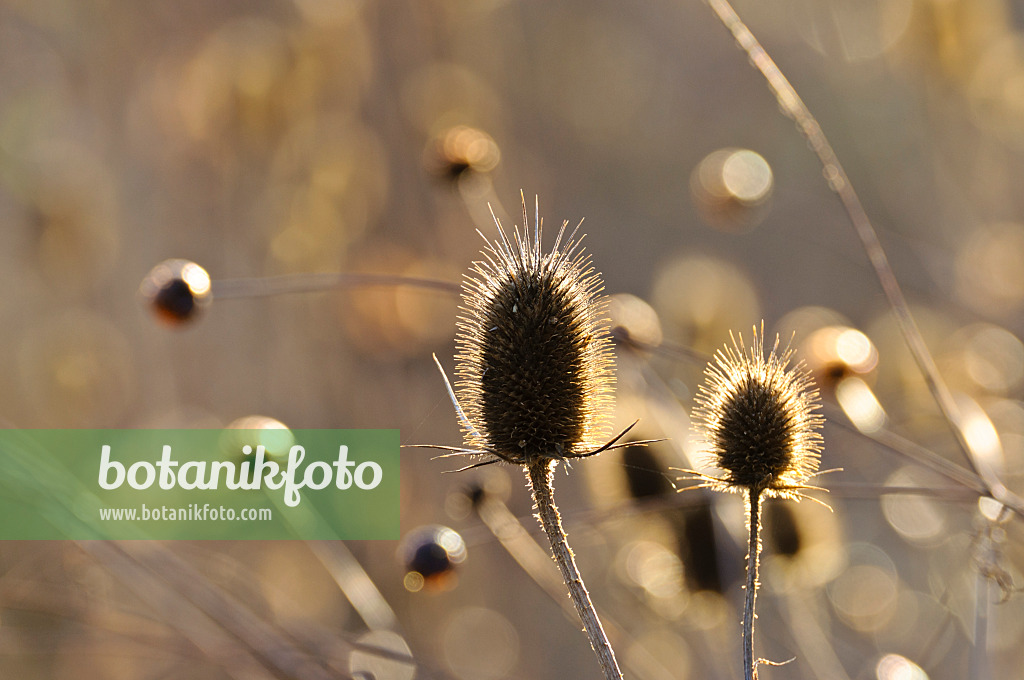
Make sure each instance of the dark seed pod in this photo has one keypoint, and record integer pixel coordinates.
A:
(430, 555)
(534, 356)
(461, 150)
(176, 290)
(757, 416)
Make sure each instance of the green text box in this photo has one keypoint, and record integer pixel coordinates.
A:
(199, 484)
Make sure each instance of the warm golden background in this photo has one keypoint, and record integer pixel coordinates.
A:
(275, 137)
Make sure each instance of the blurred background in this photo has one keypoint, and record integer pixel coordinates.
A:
(274, 137)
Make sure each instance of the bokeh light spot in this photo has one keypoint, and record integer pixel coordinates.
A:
(896, 667)
(480, 644)
(915, 518)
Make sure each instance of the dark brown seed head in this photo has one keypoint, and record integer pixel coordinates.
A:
(176, 290)
(534, 357)
(757, 417)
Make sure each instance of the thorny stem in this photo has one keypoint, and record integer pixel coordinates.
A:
(753, 553)
(535, 560)
(839, 182)
(539, 473)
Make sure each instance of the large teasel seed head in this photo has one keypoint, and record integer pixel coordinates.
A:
(756, 415)
(534, 358)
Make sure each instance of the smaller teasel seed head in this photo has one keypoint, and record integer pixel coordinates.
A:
(177, 291)
(757, 417)
(534, 358)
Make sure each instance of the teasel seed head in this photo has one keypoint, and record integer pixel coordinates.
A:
(757, 416)
(534, 357)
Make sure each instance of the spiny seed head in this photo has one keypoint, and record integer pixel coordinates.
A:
(757, 417)
(534, 357)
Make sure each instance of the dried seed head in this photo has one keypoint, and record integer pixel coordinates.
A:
(534, 357)
(757, 417)
(460, 151)
(430, 555)
(176, 290)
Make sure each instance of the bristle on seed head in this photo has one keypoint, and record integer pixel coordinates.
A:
(756, 415)
(534, 358)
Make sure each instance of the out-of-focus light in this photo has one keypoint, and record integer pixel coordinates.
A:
(443, 93)
(270, 433)
(802, 322)
(807, 553)
(992, 510)
(860, 405)
(981, 436)
(396, 321)
(915, 518)
(655, 569)
(657, 648)
(995, 89)
(855, 31)
(719, 298)
(855, 349)
(747, 176)
(364, 663)
(196, 278)
(75, 370)
(837, 352)
(990, 269)
(993, 357)
(728, 186)
(460, 150)
(480, 644)
(636, 318)
(865, 596)
(896, 667)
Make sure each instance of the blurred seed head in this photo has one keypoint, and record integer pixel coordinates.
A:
(806, 546)
(176, 291)
(430, 555)
(731, 187)
(534, 357)
(834, 353)
(459, 151)
(635, 319)
(490, 485)
(644, 472)
(757, 417)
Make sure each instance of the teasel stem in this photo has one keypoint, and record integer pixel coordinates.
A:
(753, 555)
(539, 473)
(794, 107)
